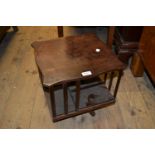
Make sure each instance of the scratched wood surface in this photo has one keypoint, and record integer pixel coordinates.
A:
(22, 101)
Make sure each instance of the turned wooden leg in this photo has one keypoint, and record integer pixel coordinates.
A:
(15, 28)
(60, 31)
(137, 67)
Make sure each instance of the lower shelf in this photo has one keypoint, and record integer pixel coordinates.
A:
(93, 95)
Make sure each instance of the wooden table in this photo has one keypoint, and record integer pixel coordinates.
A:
(69, 68)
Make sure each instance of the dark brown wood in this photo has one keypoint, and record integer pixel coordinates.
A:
(65, 98)
(52, 99)
(60, 31)
(126, 39)
(66, 58)
(110, 35)
(62, 62)
(110, 38)
(77, 95)
(118, 81)
(146, 52)
(111, 79)
(130, 33)
(82, 111)
(137, 67)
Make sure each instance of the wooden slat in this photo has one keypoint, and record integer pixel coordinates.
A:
(65, 98)
(52, 97)
(77, 95)
(84, 110)
(117, 84)
(111, 79)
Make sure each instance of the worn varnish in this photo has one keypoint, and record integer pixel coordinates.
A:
(22, 101)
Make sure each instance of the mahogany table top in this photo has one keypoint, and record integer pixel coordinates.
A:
(64, 59)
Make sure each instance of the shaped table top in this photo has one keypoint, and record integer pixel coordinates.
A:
(68, 58)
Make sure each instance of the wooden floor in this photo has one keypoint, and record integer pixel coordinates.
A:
(22, 101)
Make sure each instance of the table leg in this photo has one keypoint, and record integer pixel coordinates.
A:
(60, 31)
(118, 81)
